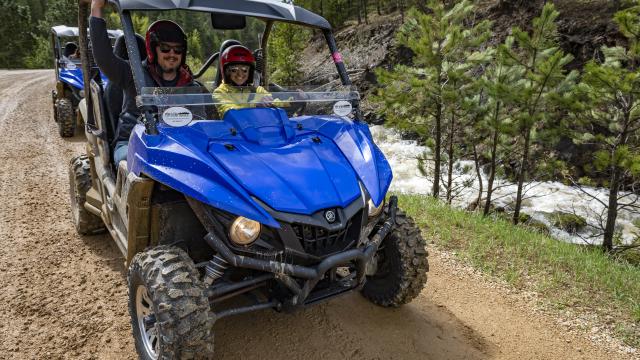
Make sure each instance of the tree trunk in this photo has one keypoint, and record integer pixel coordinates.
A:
(612, 211)
(492, 173)
(521, 175)
(492, 170)
(452, 130)
(614, 186)
(436, 171)
(358, 2)
(365, 4)
(378, 7)
(476, 161)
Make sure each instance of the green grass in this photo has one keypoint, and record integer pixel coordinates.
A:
(565, 275)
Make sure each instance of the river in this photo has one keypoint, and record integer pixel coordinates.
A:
(542, 198)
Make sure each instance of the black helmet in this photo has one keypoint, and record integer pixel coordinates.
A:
(164, 30)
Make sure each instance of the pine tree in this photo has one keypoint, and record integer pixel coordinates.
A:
(609, 96)
(538, 61)
(195, 56)
(286, 43)
(15, 29)
(426, 97)
(495, 125)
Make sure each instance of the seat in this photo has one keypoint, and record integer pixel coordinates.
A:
(113, 94)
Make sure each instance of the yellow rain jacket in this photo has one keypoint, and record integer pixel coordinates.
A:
(231, 97)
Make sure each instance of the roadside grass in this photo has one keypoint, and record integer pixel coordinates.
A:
(565, 275)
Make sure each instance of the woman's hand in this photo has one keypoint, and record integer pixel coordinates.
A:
(266, 101)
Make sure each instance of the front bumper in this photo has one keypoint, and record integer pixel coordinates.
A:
(286, 274)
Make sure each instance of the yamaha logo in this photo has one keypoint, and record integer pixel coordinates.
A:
(330, 216)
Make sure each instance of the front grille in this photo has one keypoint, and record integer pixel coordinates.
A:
(320, 242)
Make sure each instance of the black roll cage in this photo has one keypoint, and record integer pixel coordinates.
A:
(314, 21)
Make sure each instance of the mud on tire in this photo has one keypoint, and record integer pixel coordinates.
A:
(65, 117)
(402, 265)
(164, 284)
(85, 222)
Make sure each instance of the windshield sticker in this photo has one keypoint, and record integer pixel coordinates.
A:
(177, 116)
(342, 108)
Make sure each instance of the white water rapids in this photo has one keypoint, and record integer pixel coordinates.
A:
(541, 199)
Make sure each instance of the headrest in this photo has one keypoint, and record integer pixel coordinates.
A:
(120, 47)
(69, 49)
(227, 43)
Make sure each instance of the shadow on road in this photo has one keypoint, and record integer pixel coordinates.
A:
(350, 328)
(79, 137)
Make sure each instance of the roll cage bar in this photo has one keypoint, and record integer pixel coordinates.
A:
(62, 30)
(70, 31)
(269, 11)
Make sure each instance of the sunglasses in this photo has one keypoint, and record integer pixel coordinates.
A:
(236, 69)
(164, 48)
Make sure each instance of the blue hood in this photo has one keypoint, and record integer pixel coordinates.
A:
(73, 77)
(258, 153)
(301, 177)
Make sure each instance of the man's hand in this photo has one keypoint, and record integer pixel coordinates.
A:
(96, 8)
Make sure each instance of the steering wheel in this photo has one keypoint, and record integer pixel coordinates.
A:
(299, 106)
(295, 107)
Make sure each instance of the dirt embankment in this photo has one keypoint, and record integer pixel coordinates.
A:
(64, 295)
(584, 26)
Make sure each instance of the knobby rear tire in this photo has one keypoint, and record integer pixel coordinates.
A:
(65, 117)
(54, 98)
(86, 223)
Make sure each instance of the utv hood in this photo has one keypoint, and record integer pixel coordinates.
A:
(303, 176)
(298, 166)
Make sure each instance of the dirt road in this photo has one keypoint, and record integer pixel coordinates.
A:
(64, 296)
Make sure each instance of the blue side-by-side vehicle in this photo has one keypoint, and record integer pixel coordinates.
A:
(279, 203)
(69, 88)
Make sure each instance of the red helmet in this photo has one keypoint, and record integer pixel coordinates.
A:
(164, 30)
(237, 54)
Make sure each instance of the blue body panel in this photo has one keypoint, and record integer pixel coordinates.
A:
(74, 78)
(301, 170)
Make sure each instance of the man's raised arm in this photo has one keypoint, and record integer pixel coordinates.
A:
(116, 69)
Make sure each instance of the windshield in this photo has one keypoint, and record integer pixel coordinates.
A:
(179, 106)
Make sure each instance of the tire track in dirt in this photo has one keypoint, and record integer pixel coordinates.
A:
(64, 295)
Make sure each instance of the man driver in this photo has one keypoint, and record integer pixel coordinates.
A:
(166, 48)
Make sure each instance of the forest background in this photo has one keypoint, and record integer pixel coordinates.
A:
(25, 24)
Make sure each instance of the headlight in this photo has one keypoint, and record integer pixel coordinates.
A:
(373, 210)
(244, 231)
